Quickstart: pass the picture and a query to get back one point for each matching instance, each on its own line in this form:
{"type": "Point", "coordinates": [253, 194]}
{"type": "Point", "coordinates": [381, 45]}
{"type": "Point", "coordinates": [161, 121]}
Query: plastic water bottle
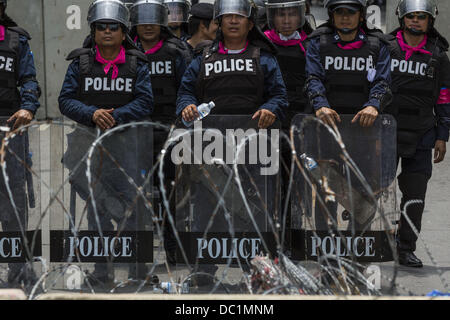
{"type": "Point", "coordinates": [203, 110]}
{"type": "Point", "coordinates": [169, 287]}
{"type": "Point", "coordinates": [310, 163]}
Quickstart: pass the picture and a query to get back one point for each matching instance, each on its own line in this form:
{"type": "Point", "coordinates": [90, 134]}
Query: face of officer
{"type": "Point", "coordinates": [109, 34]}
{"type": "Point", "coordinates": [287, 20]}
{"type": "Point", "coordinates": [417, 20]}
{"type": "Point", "coordinates": [346, 19]}
{"type": "Point", "coordinates": [210, 32]}
{"type": "Point", "coordinates": [149, 32]}
{"type": "Point", "coordinates": [236, 27]}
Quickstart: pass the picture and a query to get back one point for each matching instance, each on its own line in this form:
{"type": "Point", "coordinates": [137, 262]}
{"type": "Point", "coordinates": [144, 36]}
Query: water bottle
{"type": "Point", "coordinates": [309, 163]}
{"type": "Point", "coordinates": [203, 110]}
{"type": "Point", "coordinates": [168, 287]}
{"type": "Point", "coordinates": [312, 166]}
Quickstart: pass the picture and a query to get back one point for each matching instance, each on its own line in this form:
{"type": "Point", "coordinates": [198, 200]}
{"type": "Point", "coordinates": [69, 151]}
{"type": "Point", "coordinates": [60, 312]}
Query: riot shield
{"type": "Point", "coordinates": [101, 228]}
{"type": "Point", "coordinates": [20, 234]}
{"type": "Point", "coordinates": [227, 199]}
{"type": "Point", "coordinates": [343, 200]}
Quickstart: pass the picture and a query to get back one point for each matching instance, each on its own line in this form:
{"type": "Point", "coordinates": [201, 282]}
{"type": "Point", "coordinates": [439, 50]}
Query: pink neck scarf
{"type": "Point", "coordinates": [410, 50]}
{"type": "Point", "coordinates": [120, 59]}
{"type": "Point", "coordinates": [351, 45]}
{"type": "Point", "coordinates": [156, 47]}
{"type": "Point", "coordinates": [2, 33]}
{"type": "Point", "coordinates": [275, 38]}
{"type": "Point", "coordinates": [223, 50]}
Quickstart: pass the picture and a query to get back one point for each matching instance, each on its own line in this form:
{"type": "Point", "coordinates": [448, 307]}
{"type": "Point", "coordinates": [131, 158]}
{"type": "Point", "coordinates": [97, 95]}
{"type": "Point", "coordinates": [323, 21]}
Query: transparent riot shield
{"type": "Point", "coordinates": [227, 200]}
{"type": "Point", "coordinates": [20, 233]}
{"type": "Point", "coordinates": [344, 201]}
{"type": "Point", "coordinates": [100, 226]}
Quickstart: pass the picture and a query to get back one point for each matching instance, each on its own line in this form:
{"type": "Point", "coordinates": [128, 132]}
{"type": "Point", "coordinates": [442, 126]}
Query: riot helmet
{"type": "Point", "coordinates": [353, 5]}
{"type": "Point", "coordinates": [149, 12]}
{"type": "Point", "coordinates": [4, 3]}
{"type": "Point", "coordinates": [286, 14]}
{"type": "Point", "coordinates": [178, 10]}
{"type": "Point", "coordinates": [239, 7]}
{"type": "Point", "coordinates": [261, 16]}
{"type": "Point", "coordinates": [109, 10]}
{"type": "Point", "coordinates": [409, 6]}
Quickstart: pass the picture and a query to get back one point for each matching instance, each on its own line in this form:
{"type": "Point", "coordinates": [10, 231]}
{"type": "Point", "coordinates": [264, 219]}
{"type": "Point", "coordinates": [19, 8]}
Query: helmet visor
{"type": "Point", "coordinates": [239, 7]}
{"type": "Point", "coordinates": [108, 10]}
{"type": "Point", "coordinates": [148, 13]}
{"type": "Point", "coordinates": [409, 6]}
{"type": "Point", "coordinates": [178, 12]}
{"type": "Point", "coordinates": [286, 17]}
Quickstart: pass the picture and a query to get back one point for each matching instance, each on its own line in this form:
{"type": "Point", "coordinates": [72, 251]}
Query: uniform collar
{"type": "Point", "coordinates": [153, 50]}
{"type": "Point", "coordinates": [360, 36]}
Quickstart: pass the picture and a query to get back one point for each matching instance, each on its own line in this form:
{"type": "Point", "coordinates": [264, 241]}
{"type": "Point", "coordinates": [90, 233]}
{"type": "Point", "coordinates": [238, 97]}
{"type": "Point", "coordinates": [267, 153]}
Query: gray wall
{"type": "Point", "coordinates": [47, 21]}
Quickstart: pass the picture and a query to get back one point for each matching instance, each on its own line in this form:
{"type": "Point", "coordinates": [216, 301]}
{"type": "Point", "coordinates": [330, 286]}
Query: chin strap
{"type": "Point", "coordinates": [415, 32]}
{"type": "Point", "coordinates": [347, 30]}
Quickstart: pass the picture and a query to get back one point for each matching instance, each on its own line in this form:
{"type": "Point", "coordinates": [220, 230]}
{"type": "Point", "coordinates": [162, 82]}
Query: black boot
{"type": "Point", "coordinates": [409, 259]}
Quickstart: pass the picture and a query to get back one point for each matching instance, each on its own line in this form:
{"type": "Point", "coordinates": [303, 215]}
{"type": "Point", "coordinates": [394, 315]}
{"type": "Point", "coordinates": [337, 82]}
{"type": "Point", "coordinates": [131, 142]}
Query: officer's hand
{"type": "Point", "coordinates": [21, 117]}
{"type": "Point", "coordinates": [328, 116]}
{"type": "Point", "coordinates": [367, 116]}
{"type": "Point", "coordinates": [266, 118]}
{"type": "Point", "coordinates": [439, 151]}
{"type": "Point", "coordinates": [190, 113]}
{"type": "Point", "coordinates": [103, 119]}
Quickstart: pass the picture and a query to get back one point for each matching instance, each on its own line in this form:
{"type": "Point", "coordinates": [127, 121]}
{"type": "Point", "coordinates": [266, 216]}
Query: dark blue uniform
{"type": "Point", "coordinates": [315, 68]}
{"type": "Point", "coordinates": [275, 94]}
{"type": "Point", "coordinates": [139, 108]}
{"type": "Point", "coordinates": [86, 89]}
{"type": "Point", "coordinates": [18, 175]}
{"type": "Point", "coordinates": [421, 106]}
{"type": "Point", "coordinates": [29, 92]}
{"type": "Point", "coordinates": [346, 77]}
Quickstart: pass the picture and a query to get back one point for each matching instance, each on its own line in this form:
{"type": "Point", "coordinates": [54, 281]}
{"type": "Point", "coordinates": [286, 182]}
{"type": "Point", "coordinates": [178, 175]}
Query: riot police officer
{"type": "Point", "coordinates": [334, 84]}
{"type": "Point", "coordinates": [332, 89]}
{"type": "Point", "coordinates": [421, 106]}
{"type": "Point", "coordinates": [288, 30]}
{"type": "Point", "coordinates": [178, 17]}
{"type": "Point", "coordinates": [261, 15]}
{"type": "Point", "coordinates": [167, 56]}
{"type": "Point", "coordinates": [253, 87]}
{"type": "Point", "coordinates": [258, 89]}
{"type": "Point", "coordinates": [17, 70]}
{"type": "Point", "coordinates": [107, 84]}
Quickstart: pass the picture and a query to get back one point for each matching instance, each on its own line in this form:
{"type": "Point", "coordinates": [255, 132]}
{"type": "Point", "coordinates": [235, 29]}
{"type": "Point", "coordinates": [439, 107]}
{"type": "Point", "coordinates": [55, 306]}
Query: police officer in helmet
{"type": "Point", "coordinates": [168, 57]}
{"type": "Point", "coordinates": [178, 17]}
{"type": "Point", "coordinates": [332, 90]}
{"type": "Point", "coordinates": [361, 90]}
{"type": "Point", "coordinates": [110, 58]}
{"type": "Point", "coordinates": [19, 107]}
{"type": "Point", "coordinates": [421, 106]}
{"type": "Point", "coordinates": [261, 94]}
{"type": "Point", "coordinates": [288, 30]}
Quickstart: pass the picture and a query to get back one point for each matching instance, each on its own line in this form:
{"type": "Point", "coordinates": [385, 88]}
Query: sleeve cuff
{"type": "Point", "coordinates": [373, 103]}
{"type": "Point", "coordinates": [442, 133]}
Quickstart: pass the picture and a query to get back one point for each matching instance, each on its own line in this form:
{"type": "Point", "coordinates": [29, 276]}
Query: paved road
{"type": "Point", "coordinates": [436, 238]}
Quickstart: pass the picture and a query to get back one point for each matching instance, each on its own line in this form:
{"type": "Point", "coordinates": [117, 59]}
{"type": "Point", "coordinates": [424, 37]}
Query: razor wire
{"type": "Point", "coordinates": [268, 273]}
